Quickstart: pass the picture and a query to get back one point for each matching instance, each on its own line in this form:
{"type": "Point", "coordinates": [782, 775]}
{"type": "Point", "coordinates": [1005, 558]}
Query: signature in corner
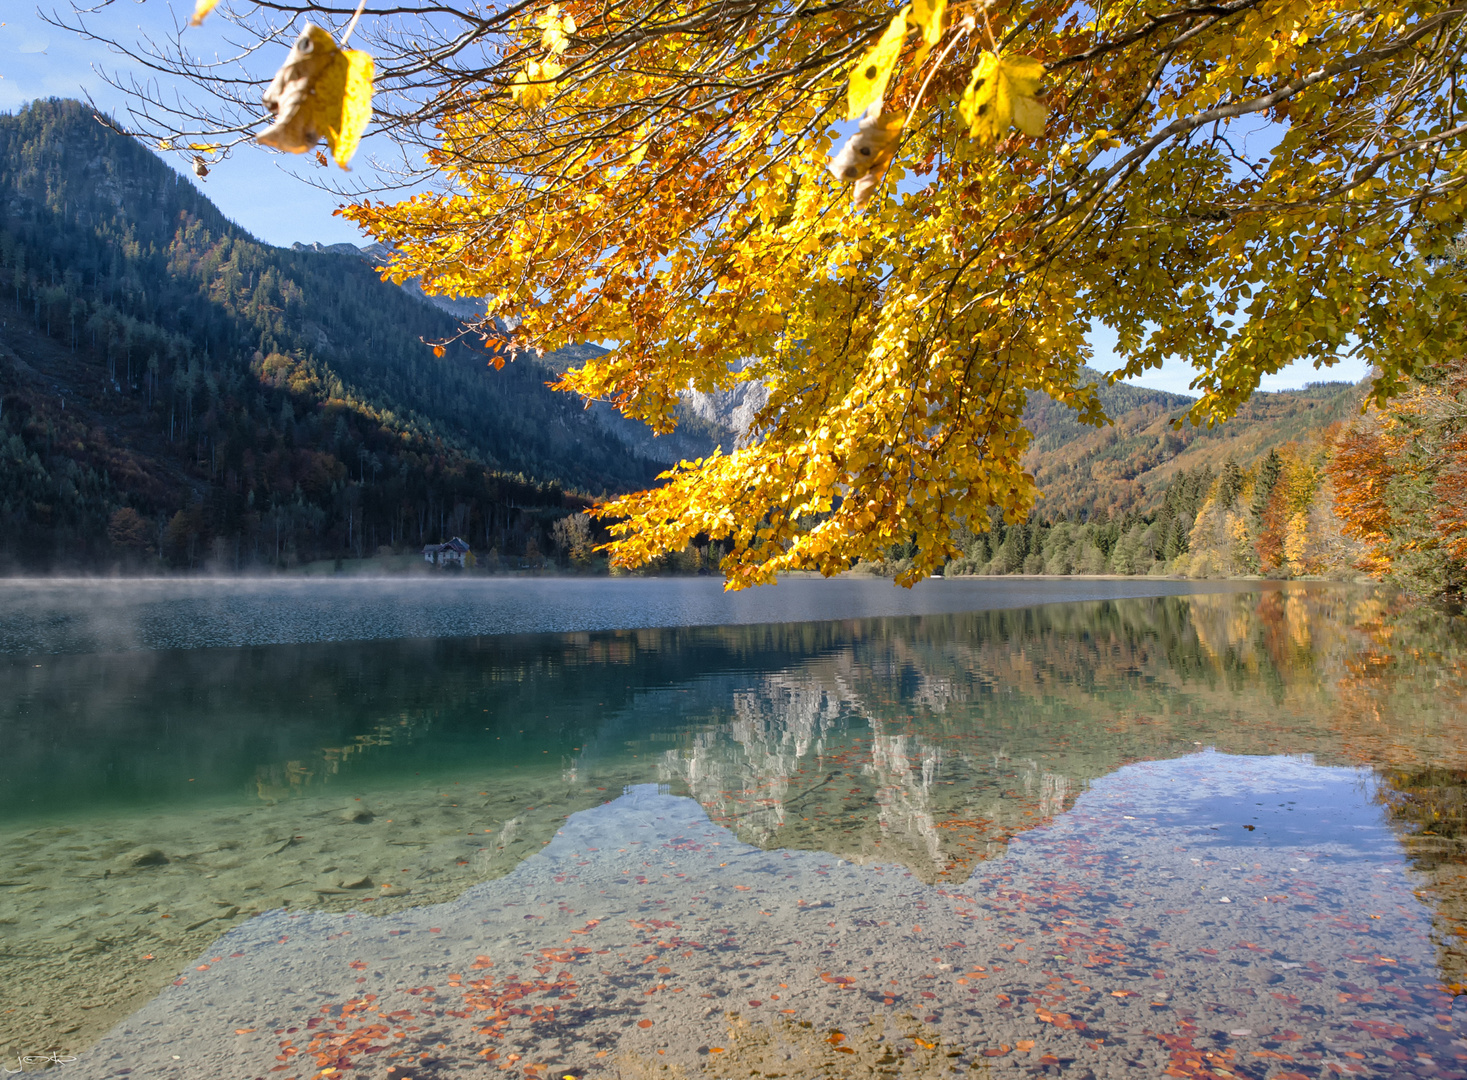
{"type": "Point", "coordinates": [37, 1059]}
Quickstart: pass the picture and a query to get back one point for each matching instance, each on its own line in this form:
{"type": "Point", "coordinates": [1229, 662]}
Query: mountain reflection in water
{"type": "Point", "coordinates": [285, 776]}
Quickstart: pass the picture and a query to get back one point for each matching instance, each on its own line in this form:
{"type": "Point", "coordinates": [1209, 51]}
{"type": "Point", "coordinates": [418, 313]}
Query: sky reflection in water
{"type": "Point", "coordinates": [1181, 833]}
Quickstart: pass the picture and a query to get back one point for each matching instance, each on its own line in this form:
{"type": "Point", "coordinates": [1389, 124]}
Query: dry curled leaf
{"type": "Point", "coordinates": [865, 155]}
{"type": "Point", "coordinates": [320, 92]}
{"type": "Point", "coordinates": [873, 142]}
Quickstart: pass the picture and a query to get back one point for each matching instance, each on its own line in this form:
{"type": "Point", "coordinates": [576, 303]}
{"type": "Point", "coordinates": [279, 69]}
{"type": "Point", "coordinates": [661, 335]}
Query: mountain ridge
{"type": "Point", "coordinates": [156, 358]}
{"type": "Point", "coordinates": [1127, 466]}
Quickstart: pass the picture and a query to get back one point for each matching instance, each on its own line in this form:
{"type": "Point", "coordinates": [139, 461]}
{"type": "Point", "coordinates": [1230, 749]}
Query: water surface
{"type": "Point", "coordinates": [1216, 834]}
{"type": "Point", "coordinates": [99, 615]}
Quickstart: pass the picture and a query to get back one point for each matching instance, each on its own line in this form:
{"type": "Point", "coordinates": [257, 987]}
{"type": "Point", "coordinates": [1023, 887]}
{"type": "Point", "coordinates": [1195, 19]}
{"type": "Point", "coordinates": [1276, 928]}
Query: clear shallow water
{"type": "Point", "coordinates": [1212, 834]}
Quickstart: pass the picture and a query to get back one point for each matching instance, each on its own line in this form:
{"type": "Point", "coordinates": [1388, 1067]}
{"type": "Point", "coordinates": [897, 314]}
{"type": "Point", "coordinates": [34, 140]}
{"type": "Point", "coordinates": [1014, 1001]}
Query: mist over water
{"type": "Point", "coordinates": [89, 615]}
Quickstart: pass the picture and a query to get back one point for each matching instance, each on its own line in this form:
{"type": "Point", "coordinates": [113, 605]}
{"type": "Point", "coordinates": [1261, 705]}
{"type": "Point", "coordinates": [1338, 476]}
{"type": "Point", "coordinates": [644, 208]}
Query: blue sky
{"type": "Point", "coordinates": [258, 188]}
{"type": "Point", "coordinates": [254, 187]}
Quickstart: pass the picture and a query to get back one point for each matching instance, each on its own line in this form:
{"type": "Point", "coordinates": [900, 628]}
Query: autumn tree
{"type": "Point", "coordinates": [1400, 473]}
{"type": "Point", "coordinates": [572, 535]}
{"type": "Point", "coordinates": [128, 532]}
{"type": "Point", "coordinates": [1244, 184]}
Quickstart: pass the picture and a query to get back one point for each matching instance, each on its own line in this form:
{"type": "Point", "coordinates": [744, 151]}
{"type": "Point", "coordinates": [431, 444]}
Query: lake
{"type": "Point", "coordinates": [538, 828]}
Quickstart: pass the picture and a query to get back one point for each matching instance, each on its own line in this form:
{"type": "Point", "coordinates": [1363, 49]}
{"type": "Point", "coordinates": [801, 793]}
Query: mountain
{"type": "Point", "coordinates": [247, 404]}
{"type": "Point", "coordinates": [1142, 496]}
{"type": "Point", "coordinates": [1124, 468]}
{"type": "Point", "coordinates": [1128, 466]}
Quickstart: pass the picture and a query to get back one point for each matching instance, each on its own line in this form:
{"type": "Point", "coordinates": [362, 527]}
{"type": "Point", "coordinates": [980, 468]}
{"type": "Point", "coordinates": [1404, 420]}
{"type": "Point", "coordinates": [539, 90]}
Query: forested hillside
{"type": "Point", "coordinates": [1383, 494]}
{"type": "Point", "coordinates": [243, 404]}
{"type": "Point", "coordinates": [1129, 465]}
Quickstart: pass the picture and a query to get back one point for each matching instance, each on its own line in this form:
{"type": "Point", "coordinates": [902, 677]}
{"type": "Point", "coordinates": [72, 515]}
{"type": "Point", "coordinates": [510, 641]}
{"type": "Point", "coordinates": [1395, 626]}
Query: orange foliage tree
{"type": "Point", "coordinates": [1401, 477]}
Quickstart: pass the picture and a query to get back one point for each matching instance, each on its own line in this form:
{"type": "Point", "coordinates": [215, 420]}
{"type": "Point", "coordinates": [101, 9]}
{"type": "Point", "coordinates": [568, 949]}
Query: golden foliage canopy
{"type": "Point", "coordinates": [1244, 184]}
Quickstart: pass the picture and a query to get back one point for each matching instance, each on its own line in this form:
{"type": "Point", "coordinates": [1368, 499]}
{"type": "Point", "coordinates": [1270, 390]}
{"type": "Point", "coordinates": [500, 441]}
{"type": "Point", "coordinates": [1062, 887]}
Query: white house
{"type": "Point", "coordinates": [453, 552]}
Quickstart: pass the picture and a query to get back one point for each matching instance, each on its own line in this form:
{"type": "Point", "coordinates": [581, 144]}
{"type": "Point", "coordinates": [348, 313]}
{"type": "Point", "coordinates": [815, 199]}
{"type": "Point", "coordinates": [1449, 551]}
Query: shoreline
{"type": "Point", "coordinates": [357, 570]}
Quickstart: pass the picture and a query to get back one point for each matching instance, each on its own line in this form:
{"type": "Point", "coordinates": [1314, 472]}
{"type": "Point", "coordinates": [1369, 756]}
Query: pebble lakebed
{"type": "Point", "coordinates": [643, 938]}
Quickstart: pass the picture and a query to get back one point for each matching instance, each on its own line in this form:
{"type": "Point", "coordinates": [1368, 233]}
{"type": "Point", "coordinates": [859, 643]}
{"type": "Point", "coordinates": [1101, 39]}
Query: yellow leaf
{"type": "Point", "coordinates": [871, 74]}
{"type": "Point", "coordinates": [1024, 74]}
{"type": "Point", "coordinates": [1030, 115]}
{"type": "Point", "coordinates": [556, 30]}
{"type": "Point", "coordinates": [639, 152]}
{"type": "Point", "coordinates": [320, 92]}
{"type": "Point", "coordinates": [356, 107]}
{"type": "Point", "coordinates": [533, 86]}
{"type": "Point", "coordinates": [201, 8]}
{"type": "Point", "coordinates": [204, 147]}
{"type": "Point", "coordinates": [994, 93]}
{"type": "Point", "coordinates": [927, 16]}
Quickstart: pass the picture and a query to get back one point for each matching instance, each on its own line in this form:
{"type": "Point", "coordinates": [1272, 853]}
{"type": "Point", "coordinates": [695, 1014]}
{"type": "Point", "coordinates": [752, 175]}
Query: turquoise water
{"type": "Point", "coordinates": [1058, 791]}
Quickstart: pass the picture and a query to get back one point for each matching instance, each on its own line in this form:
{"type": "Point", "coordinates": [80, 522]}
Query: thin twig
{"type": "Point", "coordinates": [353, 24]}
